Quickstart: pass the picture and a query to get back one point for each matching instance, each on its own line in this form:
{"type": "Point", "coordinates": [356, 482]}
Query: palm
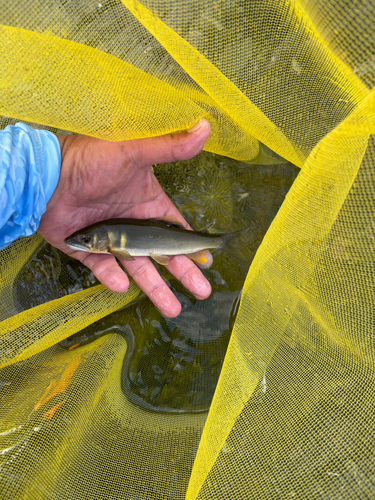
{"type": "Point", "coordinates": [101, 180]}
{"type": "Point", "coordinates": [88, 193]}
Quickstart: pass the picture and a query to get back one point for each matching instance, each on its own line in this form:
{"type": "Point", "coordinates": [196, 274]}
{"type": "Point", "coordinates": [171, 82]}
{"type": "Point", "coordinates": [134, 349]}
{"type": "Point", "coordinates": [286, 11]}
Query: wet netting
{"type": "Point", "coordinates": [266, 389]}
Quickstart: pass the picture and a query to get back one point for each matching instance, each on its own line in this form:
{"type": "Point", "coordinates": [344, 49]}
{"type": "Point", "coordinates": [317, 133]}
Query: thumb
{"type": "Point", "coordinates": [171, 147]}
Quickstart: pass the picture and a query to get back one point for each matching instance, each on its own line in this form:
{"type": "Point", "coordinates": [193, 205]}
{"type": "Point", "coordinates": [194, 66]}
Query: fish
{"type": "Point", "coordinates": [156, 238]}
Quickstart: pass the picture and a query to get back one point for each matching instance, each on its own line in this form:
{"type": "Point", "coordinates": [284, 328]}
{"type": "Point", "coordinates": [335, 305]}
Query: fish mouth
{"type": "Point", "coordinates": [75, 246]}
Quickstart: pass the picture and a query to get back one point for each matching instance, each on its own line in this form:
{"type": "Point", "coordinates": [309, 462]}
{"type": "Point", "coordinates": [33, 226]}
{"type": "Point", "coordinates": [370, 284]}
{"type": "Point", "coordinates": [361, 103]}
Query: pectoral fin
{"type": "Point", "coordinates": [122, 254]}
{"type": "Point", "coordinates": [160, 259]}
{"type": "Point", "coordinates": [198, 256]}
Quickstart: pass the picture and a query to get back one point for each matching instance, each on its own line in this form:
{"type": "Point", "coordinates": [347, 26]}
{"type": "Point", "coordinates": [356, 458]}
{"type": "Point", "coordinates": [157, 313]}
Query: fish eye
{"type": "Point", "coordinates": [86, 239]}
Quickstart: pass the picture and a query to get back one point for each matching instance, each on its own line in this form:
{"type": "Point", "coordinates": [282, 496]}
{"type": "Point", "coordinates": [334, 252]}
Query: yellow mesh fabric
{"type": "Point", "coordinates": [293, 411]}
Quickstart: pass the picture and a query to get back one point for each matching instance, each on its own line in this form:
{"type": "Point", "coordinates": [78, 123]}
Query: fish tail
{"type": "Point", "coordinates": [232, 243]}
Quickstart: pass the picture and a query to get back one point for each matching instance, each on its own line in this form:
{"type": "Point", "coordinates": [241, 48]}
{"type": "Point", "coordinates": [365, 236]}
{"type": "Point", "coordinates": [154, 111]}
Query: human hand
{"type": "Point", "coordinates": [103, 180]}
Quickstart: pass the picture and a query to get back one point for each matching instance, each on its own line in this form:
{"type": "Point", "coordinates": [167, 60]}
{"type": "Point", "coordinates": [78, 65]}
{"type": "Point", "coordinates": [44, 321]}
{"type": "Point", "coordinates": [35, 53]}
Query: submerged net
{"type": "Point", "coordinates": [101, 397]}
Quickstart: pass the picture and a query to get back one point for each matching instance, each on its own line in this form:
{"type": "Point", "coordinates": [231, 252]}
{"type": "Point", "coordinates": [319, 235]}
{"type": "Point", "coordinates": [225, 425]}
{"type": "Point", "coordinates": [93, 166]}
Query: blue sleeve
{"type": "Point", "coordinates": [30, 162]}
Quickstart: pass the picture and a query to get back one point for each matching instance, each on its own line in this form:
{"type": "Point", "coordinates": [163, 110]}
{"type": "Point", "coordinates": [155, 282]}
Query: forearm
{"type": "Point", "coordinates": [30, 163]}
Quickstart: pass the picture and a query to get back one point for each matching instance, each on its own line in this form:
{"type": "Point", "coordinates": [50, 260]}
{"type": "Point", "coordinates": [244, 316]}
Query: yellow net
{"type": "Point", "coordinates": [293, 410]}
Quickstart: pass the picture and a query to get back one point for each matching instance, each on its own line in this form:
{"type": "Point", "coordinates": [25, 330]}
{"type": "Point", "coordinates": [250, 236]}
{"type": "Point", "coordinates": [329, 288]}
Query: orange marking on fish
{"type": "Point", "coordinates": [50, 413]}
{"type": "Point", "coordinates": [73, 347]}
{"type": "Point", "coordinates": [54, 387]}
{"type": "Point", "coordinates": [198, 256]}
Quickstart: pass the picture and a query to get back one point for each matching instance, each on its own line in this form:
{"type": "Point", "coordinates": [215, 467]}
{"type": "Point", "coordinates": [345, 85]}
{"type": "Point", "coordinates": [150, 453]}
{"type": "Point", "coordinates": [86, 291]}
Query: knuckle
{"type": "Point", "coordinates": [188, 274]}
{"type": "Point", "coordinates": [141, 272]}
{"type": "Point", "coordinates": [179, 148]}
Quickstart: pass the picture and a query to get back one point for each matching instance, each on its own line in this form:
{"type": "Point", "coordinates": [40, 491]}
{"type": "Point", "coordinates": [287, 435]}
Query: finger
{"type": "Point", "coordinates": [106, 270]}
{"type": "Point", "coordinates": [172, 213]}
{"type": "Point", "coordinates": [171, 147]}
{"type": "Point", "coordinates": [190, 276]}
{"type": "Point", "coordinates": [149, 280]}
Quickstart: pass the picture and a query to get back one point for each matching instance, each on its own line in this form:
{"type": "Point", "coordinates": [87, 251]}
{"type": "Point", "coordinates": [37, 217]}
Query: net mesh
{"type": "Point", "coordinates": [292, 414]}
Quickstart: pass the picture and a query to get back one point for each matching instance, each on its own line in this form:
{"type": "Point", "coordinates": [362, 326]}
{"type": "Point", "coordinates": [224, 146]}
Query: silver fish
{"type": "Point", "coordinates": [155, 238]}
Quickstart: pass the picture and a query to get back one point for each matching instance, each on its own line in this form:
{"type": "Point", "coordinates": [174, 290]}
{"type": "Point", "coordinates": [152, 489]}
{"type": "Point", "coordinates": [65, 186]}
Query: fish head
{"type": "Point", "coordinates": [89, 240]}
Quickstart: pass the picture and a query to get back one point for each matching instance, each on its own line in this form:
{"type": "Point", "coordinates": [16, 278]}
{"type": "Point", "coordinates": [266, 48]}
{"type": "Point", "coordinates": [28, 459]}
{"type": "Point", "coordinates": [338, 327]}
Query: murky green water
{"type": "Point", "coordinates": [174, 364]}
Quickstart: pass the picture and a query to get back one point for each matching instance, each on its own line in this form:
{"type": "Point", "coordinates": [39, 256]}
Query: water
{"type": "Point", "coordinates": [172, 365]}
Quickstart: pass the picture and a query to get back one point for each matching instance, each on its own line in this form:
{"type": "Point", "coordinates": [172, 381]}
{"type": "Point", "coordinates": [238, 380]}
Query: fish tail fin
{"type": "Point", "coordinates": [233, 242]}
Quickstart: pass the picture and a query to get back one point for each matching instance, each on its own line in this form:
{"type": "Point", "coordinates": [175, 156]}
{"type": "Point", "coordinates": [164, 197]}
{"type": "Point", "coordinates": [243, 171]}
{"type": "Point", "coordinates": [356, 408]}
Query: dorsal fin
{"type": "Point", "coordinates": [168, 220]}
{"type": "Point", "coordinates": [207, 229]}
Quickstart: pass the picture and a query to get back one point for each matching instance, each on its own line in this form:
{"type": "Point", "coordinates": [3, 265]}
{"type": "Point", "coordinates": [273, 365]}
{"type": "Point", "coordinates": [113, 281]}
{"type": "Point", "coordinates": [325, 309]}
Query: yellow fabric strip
{"type": "Point", "coordinates": [314, 14]}
{"type": "Point", "coordinates": [276, 280]}
{"type": "Point", "coordinates": [35, 330]}
{"type": "Point", "coordinates": [98, 94]}
{"type": "Point", "coordinates": [249, 120]}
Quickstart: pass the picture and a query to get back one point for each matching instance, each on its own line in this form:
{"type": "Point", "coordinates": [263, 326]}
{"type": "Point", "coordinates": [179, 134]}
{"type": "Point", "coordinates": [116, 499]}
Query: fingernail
{"type": "Point", "coordinates": [196, 127]}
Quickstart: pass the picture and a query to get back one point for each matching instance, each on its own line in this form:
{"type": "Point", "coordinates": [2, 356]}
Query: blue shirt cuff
{"type": "Point", "coordinates": [30, 163]}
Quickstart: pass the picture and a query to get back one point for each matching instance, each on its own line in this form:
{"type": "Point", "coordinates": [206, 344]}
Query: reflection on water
{"type": "Point", "coordinates": [173, 365]}
{"type": "Point", "coordinates": [49, 275]}
{"type": "Point", "coordinates": [176, 362]}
